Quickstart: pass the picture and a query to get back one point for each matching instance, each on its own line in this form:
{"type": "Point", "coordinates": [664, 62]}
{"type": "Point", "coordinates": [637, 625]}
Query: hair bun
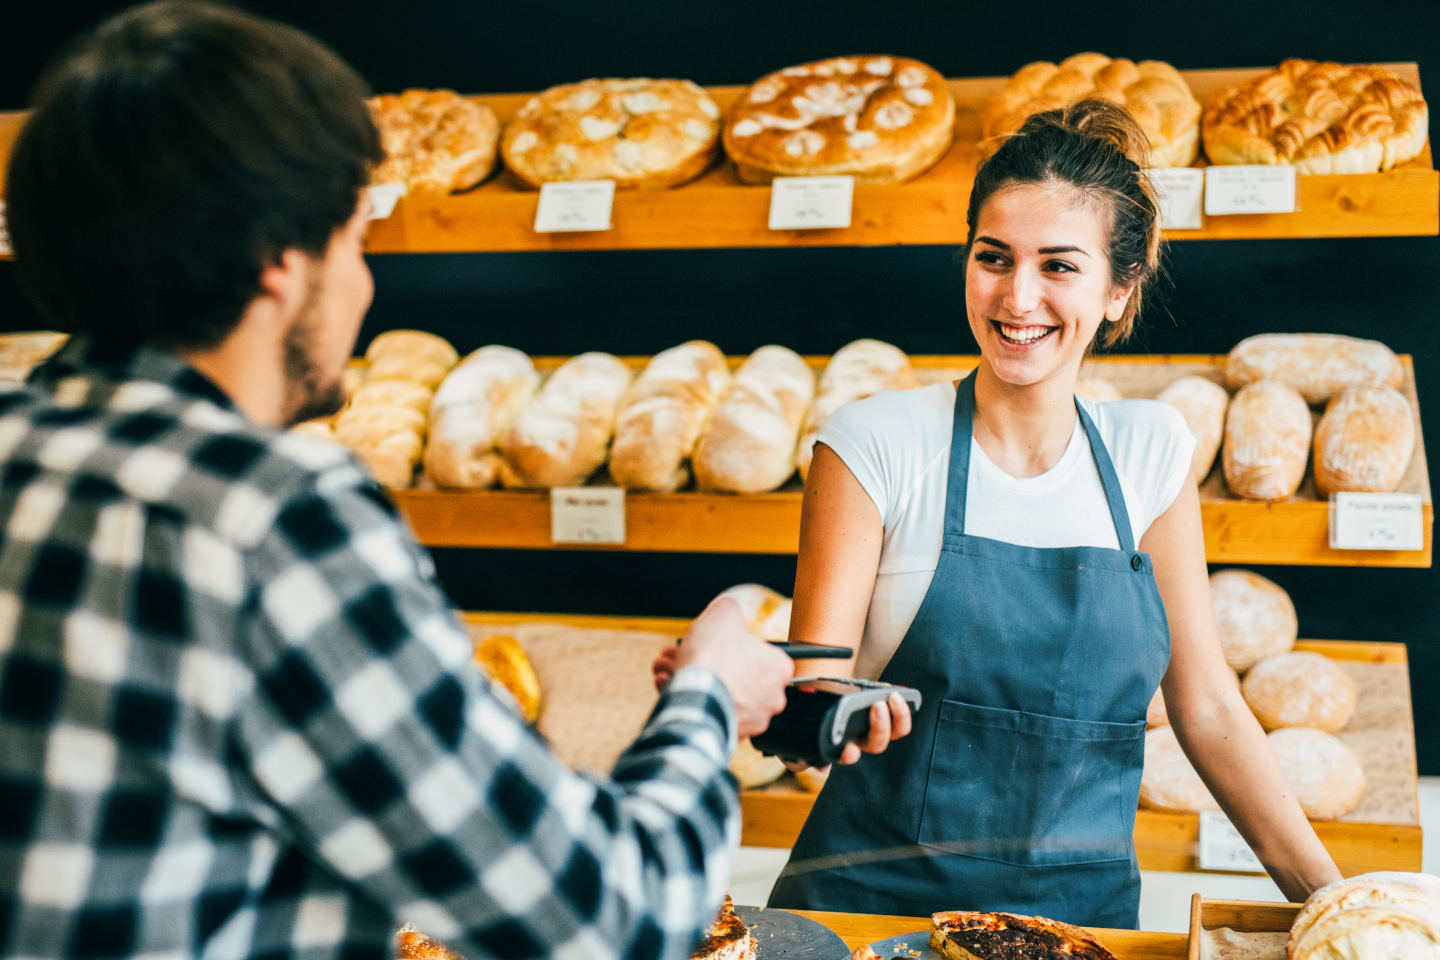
{"type": "Point", "coordinates": [1099, 120]}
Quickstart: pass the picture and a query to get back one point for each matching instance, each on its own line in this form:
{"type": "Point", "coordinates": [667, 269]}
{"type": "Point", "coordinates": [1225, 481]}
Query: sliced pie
{"type": "Point", "coordinates": [728, 939]}
{"type": "Point", "coordinates": [967, 935]}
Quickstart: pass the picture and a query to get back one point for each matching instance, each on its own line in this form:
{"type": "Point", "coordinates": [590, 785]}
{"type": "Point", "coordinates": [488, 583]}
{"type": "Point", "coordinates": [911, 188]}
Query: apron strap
{"type": "Point", "coordinates": [956, 488]}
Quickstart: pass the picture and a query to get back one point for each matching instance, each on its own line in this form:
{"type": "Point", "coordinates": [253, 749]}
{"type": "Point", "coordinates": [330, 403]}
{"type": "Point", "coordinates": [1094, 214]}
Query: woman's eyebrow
{"type": "Point", "coordinates": [993, 242]}
{"type": "Point", "coordinates": [1064, 250]}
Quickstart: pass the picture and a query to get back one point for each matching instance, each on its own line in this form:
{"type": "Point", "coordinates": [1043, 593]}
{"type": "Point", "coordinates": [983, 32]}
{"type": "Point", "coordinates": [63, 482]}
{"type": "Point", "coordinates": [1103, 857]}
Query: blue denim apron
{"type": "Point", "coordinates": [1017, 788]}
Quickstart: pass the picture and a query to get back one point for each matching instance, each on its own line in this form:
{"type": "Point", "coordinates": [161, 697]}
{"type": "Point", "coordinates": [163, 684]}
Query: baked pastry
{"type": "Point", "coordinates": [393, 393]}
{"type": "Point", "coordinates": [320, 429]}
{"type": "Point", "coordinates": [1319, 365]}
{"type": "Point", "coordinates": [389, 439]}
{"type": "Point", "coordinates": [563, 435]}
{"type": "Point", "coordinates": [1299, 689]}
{"type": "Point", "coordinates": [857, 370]}
{"type": "Point", "coordinates": [476, 403]}
{"type": "Point", "coordinates": [504, 660]}
{"type": "Point", "coordinates": [22, 352]}
{"type": "Point", "coordinates": [749, 446]}
{"type": "Point", "coordinates": [1202, 403]}
{"type": "Point", "coordinates": [878, 119]}
{"type": "Point", "coordinates": [728, 937]}
{"type": "Point", "coordinates": [663, 413]}
{"type": "Point", "coordinates": [1364, 441]}
{"type": "Point", "coordinates": [414, 945]}
{"type": "Point", "coordinates": [1324, 773]}
{"type": "Point", "coordinates": [1267, 441]}
{"type": "Point", "coordinates": [1152, 91]}
{"type": "Point", "coordinates": [435, 141]}
{"type": "Point", "coordinates": [412, 355]}
{"type": "Point", "coordinates": [751, 768]}
{"type": "Point", "coordinates": [1097, 389]}
{"type": "Point", "coordinates": [1254, 617]}
{"type": "Point", "coordinates": [639, 133]}
{"type": "Point", "coordinates": [1378, 931]}
{"type": "Point", "coordinates": [1414, 891]}
{"type": "Point", "coordinates": [970, 935]}
{"type": "Point", "coordinates": [1168, 781]}
{"type": "Point", "coordinates": [1321, 117]}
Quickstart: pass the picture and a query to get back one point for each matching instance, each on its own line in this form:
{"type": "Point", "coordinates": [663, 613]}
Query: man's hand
{"type": "Point", "coordinates": [753, 671]}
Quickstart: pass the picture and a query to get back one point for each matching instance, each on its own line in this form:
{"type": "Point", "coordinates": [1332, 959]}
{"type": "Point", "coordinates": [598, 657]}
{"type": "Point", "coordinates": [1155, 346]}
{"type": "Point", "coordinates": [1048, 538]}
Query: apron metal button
{"type": "Point", "coordinates": [1136, 563]}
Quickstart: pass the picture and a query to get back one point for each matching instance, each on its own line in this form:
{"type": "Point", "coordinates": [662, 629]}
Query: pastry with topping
{"type": "Point", "coordinates": [435, 141]}
{"type": "Point", "coordinates": [968, 935]}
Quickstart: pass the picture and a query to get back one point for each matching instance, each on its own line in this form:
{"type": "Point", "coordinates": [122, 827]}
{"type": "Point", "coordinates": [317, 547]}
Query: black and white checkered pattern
{"type": "Point", "coordinates": [237, 718]}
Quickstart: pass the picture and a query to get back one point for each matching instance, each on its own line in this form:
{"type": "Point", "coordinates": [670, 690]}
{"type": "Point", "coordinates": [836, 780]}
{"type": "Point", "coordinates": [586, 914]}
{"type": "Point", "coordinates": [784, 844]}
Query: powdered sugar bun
{"type": "Point", "coordinates": [1299, 689]}
{"type": "Point", "coordinates": [1254, 616]}
{"type": "Point", "coordinates": [563, 435]}
{"type": "Point", "coordinates": [749, 446]}
{"type": "Point", "coordinates": [1417, 891]}
{"type": "Point", "coordinates": [1168, 781]}
{"type": "Point", "coordinates": [1267, 441]}
{"type": "Point", "coordinates": [663, 414]}
{"type": "Point", "coordinates": [858, 370]}
{"type": "Point", "coordinates": [476, 403]}
{"type": "Point", "coordinates": [1324, 773]}
{"type": "Point", "coordinates": [1364, 441]}
{"type": "Point", "coordinates": [1202, 403]}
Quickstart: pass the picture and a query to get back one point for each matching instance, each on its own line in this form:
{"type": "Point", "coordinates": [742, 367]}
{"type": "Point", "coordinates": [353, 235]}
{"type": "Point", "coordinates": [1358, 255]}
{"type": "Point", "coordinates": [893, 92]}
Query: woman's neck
{"type": "Point", "coordinates": [1023, 430]}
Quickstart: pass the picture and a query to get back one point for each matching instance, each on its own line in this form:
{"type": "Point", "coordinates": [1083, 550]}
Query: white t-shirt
{"type": "Point", "coordinates": [897, 444]}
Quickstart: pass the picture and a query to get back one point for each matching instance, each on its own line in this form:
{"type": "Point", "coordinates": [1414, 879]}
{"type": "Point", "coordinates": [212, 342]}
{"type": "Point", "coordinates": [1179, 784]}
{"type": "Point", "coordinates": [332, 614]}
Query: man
{"type": "Point", "coordinates": [237, 718]}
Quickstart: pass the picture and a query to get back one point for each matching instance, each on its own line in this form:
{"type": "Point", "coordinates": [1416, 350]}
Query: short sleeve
{"type": "Point", "coordinates": [851, 432]}
{"type": "Point", "coordinates": [1171, 454]}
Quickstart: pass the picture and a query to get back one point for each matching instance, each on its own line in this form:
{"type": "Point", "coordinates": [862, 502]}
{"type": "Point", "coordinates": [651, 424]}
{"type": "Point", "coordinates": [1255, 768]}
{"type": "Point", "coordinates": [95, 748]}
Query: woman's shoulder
{"type": "Point", "coordinates": [895, 415]}
{"type": "Point", "coordinates": [1137, 421]}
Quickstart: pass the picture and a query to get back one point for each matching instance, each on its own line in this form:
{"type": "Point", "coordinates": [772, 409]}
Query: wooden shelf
{"type": "Point", "coordinates": [718, 211]}
{"type": "Point", "coordinates": [1294, 531]}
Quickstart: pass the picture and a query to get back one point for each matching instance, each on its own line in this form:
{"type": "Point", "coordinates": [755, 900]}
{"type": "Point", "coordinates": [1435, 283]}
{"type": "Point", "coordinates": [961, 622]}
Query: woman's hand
{"type": "Point", "coordinates": [664, 666]}
{"type": "Point", "coordinates": [889, 721]}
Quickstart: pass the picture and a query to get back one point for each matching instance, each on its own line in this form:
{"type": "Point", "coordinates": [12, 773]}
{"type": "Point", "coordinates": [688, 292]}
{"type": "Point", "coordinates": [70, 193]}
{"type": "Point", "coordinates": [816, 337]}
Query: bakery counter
{"type": "Point", "coordinates": [1292, 531]}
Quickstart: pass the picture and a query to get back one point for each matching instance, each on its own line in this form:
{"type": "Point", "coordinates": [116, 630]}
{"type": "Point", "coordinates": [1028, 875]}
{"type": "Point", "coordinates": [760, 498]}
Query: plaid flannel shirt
{"type": "Point", "coordinates": [238, 719]}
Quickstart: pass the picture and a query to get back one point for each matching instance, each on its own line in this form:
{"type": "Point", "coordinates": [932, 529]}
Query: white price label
{"type": "Point", "coordinates": [5, 249]}
{"type": "Point", "coordinates": [811, 203]}
{"type": "Point", "coordinates": [383, 197]}
{"type": "Point", "coordinates": [1377, 521]}
{"type": "Point", "coordinates": [1249, 189]}
{"type": "Point", "coordinates": [587, 515]}
{"type": "Point", "coordinates": [1181, 190]}
{"type": "Point", "coordinates": [1222, 847]}
{"type": "Point", "coordinates": [577, 205]}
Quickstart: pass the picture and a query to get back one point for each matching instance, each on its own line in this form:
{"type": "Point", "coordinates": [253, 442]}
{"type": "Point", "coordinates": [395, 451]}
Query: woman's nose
{"type": "Point", "coordinates": [1022, 292]}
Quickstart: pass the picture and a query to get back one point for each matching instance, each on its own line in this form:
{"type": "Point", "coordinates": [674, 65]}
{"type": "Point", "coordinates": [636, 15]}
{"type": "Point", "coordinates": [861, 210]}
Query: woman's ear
{"type": "Point", "coordinates": [1119, 297]}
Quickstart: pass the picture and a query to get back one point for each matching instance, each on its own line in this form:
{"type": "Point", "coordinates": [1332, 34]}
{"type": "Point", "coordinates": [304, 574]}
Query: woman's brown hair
{"type": "Point", "coordinates": [1097, 148]}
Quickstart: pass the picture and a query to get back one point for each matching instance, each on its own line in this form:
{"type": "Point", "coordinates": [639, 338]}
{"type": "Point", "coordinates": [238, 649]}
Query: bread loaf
{"type": "Point", "coordinates": [1168, 781]}
{"type": "Point", "coordinates": [389, 439]}
{"type": "Point", "coordinates": [1324, 773]}
{"type": "Point", "coordinates": [749, 446]}
{"type": "Point", "coordinates": [663, 413]}
{"type": "Point", "coordinates": [1299, 689]}
{"type": "Point", "coordinates": [1414, 891]}
{"type": "Point", "coordinates": [857, 370]}
{"type": "Point", "coordinates": [1202, 403]}
{"type": "Point", "coordinates": [753, 768]}
{"type": "Point", "coordinates": [1364, 441]}
{"type": "Point", "coordinates": [563, 435]}
{"type": "Point", "coordinates": [766, 613]}
{"type": "Point", "coordinates": [477, 402]}
{"type": "Point", "coordinates": [1360, 933]}
{"type": "Point", "coordinates": [393, 393]}
{"type": "Point", "coordinates": [1267, 441]}
{"type": "Point", "coordinates": [1254, 617]}
{"type": "Point", "coordinates": [412, 355]}
{"type": "Point", "coordinates": [1319, 365]}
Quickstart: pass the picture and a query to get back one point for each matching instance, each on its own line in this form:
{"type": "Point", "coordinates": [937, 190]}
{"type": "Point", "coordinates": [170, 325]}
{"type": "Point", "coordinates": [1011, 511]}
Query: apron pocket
{"type": "Point", "coordinates": [1029, 789]}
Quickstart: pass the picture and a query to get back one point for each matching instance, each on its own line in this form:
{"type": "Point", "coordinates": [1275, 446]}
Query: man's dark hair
{"type": "Point", "coordinates": [173, 153]}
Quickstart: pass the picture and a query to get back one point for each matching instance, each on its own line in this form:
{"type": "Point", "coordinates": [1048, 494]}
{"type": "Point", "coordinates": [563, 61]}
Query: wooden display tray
{"type": "Point", "coordinates": [717, 210]}
{"type": "Point", "coordinates": [1244, 916]}
{"type": "Point", "coordinates": [1293, 531]}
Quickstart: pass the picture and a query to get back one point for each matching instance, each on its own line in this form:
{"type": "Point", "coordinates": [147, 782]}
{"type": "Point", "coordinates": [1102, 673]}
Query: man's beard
{"type": "Point", "coordinates": [310, 394]}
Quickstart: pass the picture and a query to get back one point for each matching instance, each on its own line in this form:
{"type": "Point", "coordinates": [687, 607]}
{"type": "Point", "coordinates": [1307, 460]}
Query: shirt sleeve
{"type": "Point", "coordinates": [851, 433]}
{"type": "Point", "coordinates": [1167, 459]}
{"type": "Point", "coordinates": [394, 763]}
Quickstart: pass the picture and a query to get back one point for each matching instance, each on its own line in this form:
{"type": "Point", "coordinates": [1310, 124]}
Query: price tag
{"type": "Point", "coordinates": [574, 206]}
{"type": "Point", "coordinates": [587, 515]}
{"type": "Point", "coordinates": [383, 197]}
{"type": "Point", "coordinates": [1181, 189]}
{"type": "Point", "coordinates": [811, 203]}
{"type": "Point", "coordinates": [1377, 521]}
{"type": "Point", "coordinates": [1249, 189]}
{"type": "Point", "coordinates": [1222, 847]}
{"type": "Point", "coordinates": [5, 249]}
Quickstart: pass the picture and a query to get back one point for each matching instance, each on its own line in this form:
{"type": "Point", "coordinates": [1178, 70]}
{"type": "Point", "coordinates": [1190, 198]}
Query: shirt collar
{"type": "Point", "coordinates": [115, 363]}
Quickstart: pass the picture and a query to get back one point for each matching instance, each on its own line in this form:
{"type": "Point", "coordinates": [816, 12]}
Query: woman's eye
{"type": "Point", "coordinates": [1060, 266]}
{"type": "Point", "coordinates": [989, 256]}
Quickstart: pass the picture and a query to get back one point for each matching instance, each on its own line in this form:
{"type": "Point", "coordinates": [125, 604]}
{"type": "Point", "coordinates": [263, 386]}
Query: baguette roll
{"type": "Point", "coordinates": [1364, 441]}
{"type": "Point", "coordinates": [412, 355]}
{"type": "Point", "coordinates": [663, 414]}
{"type": "Point", "coordinates": [1319, 365]}
{"type": "Point", "coordinates": [858, 370]}
{"type": "Point", "coordinates": [476, 403]}
{"type": "Point", "coordinates": [749, 446]}
{"type": "Point", "coordinates": [562, 437]}
{"type": "Point", "coordinates": [1202, 403]}
{"type": "Point", "coordinates": [1267, 441]}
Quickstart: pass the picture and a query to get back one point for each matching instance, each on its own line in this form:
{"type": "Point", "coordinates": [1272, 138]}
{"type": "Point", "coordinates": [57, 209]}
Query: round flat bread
{"type": "Point", "coordinates": [1168, 781]}
{"type": "Point", "coordinates": [1324, 773]}
{"type": "Point", "coordinates": [879, 119]}
{"type": "Point", "coordinates": [1254, 616]}
{"type": "Point", "coordinates": [435, 141]}
{"type": "Point", "coordinates": [1299, 689]}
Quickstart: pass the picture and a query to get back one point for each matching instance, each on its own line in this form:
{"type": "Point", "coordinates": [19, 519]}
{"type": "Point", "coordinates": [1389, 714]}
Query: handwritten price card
{"type": "Point", "coordinates": [383, 197]}
{"type": "Point", "coordinates": [575, 206]}
{"type": "Point", "coordinates": [587, 515]}
{"type": "Point", "coordinates": [1377, 521]}
{"type": "Point", "coordinates": [1180, 191]}
{"type": "Point", "coordinates": [1249, 189]}
{"type": "Point", "coordinates": [811, 203]}
{"type": "Point", "coordinates": [4, 233]}
{"type": "Point", "coordinates": [1222, 847]}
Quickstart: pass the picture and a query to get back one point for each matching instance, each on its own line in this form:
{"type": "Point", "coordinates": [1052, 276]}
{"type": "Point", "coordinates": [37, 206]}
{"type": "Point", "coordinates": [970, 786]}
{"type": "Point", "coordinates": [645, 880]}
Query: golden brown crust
{"type": "Point", "coordinates": [1267, 441]}
{"type": "Point", "coordinates": [412, 945]}
{"type": "Point", "coordinates": [880, 119]}
{"type": "Point", "coordinates": [641, 133]}
{"type": "Point", "coordinates": [727, 938]}
{"type": "Point", "coordinates": [503, 658]}
{"type": "Point", "coordinates": [1322, 117]}
{"type": "Point", "coordinates": [1153, 91]}
{"type": "Point", "coordinates": [435, 141]}
{"type": "Point", "coordinates": [1364, 441]}
{"type": "Point", "coordinates": [971, 935]}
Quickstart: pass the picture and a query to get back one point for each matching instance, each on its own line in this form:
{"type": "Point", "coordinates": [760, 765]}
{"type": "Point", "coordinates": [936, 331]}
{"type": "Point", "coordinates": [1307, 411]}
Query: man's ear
{"type": "Point", "coordinates": [285, 282]}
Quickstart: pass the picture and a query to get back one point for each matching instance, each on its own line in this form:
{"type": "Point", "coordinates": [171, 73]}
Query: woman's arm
{"type": "Point", "coordinates": [1211, 720]}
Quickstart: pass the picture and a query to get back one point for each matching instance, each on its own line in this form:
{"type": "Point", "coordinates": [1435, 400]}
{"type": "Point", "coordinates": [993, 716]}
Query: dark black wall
{"type": "Point", "coordinates": [814, 299]}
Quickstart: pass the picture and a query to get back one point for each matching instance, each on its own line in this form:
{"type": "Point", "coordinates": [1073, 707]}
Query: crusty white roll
{"type": "Point", "coordinates": [1097, 389]}
{"type": "Point", "coordinates": [749, 446]}
{"type": "Point", "coordinates": [1416, 891]}
{"type": "Point", "coordinates": [1324, 773]}
{"type": "Point", "coordinates": [857, 370]}
{"type": "Point", "coordinates": [413, 355]}
{"type": "Point", "coordinates": [1254, 617]}
{"type": "Point", "coordinates": [1299, 689]}
{"type": "Point", "coordinates": [476, 403]}
{"type": "Point", "coordinates": [1381, 931]}
{"type": "Point", "coordinates": [563, 435]}
{"type": "Point", "coordinates": [1168, 781]}
{"type": "Point", "coordinates": [1319, 365]}
{"type": "Point", "coordinates": [1267, 441]}
{"type": "Point", "coordinates": [1202, 403]}
{"type": "Point", "coordinates": [663, 413]}
{"type": "Point", "coordinates": [759, 605]}
{"type": "Point", "coordinates": [1364, 441]}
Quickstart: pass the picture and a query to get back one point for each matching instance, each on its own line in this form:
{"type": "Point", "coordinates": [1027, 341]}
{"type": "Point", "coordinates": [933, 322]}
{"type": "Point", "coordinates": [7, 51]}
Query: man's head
{"type": "Point", "coordinates": [176, 154]}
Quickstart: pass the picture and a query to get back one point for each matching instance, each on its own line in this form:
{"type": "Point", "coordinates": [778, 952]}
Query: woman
{"type": "Point", "coordinates": [999, 574]}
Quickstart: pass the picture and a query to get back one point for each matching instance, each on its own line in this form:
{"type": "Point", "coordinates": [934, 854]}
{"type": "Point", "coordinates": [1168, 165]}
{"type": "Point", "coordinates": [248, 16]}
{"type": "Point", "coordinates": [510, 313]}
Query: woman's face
{"type": "Point", "coordinates": [1037, 282]}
